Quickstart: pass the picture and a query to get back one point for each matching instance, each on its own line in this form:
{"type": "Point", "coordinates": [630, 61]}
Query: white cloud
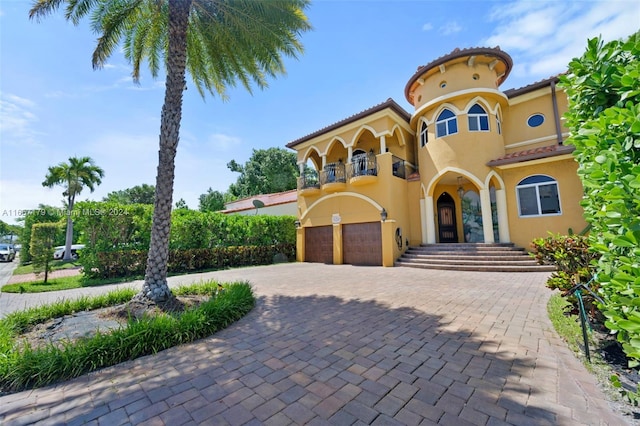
{"type": "Point", "coordinates": [223, 142]}
{"type": "Point", "coordinates": [544, 36]}
{"type": "Point", "coordinates": [18, 196]}
{"type": "Point", "coordinates": [450, 27]}
{"type": "Point", "coordinates": [427, 27]}
{"type": "Point", "coordinates": [17, 120]}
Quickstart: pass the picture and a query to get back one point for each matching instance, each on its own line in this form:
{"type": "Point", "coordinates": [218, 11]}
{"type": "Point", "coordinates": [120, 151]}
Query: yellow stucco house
{"type": "Point", "coordinates": [470, 164]}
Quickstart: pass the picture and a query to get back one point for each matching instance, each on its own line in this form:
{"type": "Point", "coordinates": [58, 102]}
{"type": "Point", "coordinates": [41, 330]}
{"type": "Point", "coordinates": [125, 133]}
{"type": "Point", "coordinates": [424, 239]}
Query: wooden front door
{"type": "Point", "coordinates": [448, 231]}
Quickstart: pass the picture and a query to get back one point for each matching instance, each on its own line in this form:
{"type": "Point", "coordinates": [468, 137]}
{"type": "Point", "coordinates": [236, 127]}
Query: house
{"type": "Point", "coordinates": [470, 163]}
{"type": "Point", "coordinates": [276, 204]}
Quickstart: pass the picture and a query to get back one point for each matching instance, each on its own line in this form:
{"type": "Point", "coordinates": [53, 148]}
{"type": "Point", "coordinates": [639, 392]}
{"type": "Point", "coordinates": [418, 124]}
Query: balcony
{"type": "Point", "coordinates": [399, 167]}
{"type": "Point", "coordinates": [308, 183]}
{"type": "Point", "coordinates": [363, 169]}
{"type": "Point", "coordinates": [333, 177]}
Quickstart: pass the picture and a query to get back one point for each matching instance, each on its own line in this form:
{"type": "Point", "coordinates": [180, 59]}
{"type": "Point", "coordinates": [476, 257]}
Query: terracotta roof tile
{"type": "Point", "coordinates": [389, 103]}
{"type": "Point", "coordinates": [268, 200]}
{"type": "Point", "coordinates": [531, 87]}
{"type": "Point", "coordinates": [532, 154]}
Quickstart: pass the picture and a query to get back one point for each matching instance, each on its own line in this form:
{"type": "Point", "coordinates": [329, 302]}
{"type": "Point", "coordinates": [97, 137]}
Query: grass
{"type": "Point", "coordinates": [23, 367]}
{"type": "Point", "coordinates": [63, 283]}
{"type": "Point", "coordinates": [56, 265]}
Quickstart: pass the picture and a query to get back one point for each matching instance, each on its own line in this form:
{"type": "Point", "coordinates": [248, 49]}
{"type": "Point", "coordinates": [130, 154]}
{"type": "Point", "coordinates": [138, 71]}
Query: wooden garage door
{"type": "Point", "coordinates": [362, 244]}
{"type": "Point", "coordinates": [318, 243]}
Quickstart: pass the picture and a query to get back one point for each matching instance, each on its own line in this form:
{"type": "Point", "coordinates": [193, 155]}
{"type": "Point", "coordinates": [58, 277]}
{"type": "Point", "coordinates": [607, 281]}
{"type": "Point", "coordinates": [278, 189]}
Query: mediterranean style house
{"type": "Point", "coordinates": [470, 164]}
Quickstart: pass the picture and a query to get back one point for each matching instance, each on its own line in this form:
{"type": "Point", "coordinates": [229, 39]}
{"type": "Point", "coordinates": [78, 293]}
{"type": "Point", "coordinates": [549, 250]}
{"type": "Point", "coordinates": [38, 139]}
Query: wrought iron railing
{"type": "Point", "coordinates": [333, 173]}
{"type": "Point", "coordinates": [308, 180]}
{"type": "Point", "coordinates": [362, 165]}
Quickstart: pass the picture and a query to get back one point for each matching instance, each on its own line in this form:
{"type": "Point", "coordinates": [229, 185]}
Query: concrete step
{"type": "Point", "coordinates": [494, 257]}
{"type": "Point", "coordinates": [479, 268]}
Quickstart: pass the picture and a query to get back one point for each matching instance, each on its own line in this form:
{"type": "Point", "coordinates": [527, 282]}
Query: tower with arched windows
{"type": "Point", "coordinates": [470, 164]}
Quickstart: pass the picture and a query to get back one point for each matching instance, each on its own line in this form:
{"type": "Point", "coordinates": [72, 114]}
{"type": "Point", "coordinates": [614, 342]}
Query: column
{"type": "Point", "coordinates": [349, 154]}
{"type": "Point", "coordinates": [487, 222]}
{"type": "Point", "coordinates": [423, 221]}
{"type": "Point", "coordinates": [337, 244]}
{"type": "Point", "coordinates": [431, 221]}
{"type": "Point", "coordinates": [383, 144]}
{"type": "Point", "coordinates": [300, 244]}
{"type": "Point", "coordinates": [503, 218]}
{"type": "Point", "coordinates": [388, 242]}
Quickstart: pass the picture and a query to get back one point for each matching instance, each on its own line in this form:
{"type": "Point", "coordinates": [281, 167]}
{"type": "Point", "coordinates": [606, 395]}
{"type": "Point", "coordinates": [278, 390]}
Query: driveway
{"type": "Point", "coordinates": [345, 345]}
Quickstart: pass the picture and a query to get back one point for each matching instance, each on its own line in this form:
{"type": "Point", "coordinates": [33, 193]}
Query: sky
{"type": "Point", "coordinates": [54, 106]}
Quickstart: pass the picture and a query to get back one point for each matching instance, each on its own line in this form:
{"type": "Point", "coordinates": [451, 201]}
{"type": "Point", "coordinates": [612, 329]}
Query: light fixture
{"type": "Point", "coordinates": [297, 223]}
{"type": "Point", "coordinates": [460, 188]}
{"type": "Point", "coordinates": [383, 214]}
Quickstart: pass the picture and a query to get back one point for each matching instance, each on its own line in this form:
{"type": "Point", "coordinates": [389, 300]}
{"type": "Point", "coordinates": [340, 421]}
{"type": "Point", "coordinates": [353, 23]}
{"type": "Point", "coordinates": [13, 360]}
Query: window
{"type": "Point", "coordinates": [424, 136]}
{"type": "Point", "coordinates": [446, 124]}
{"type": "Point", "coordinates": [498, 125]}
{"type": "Point", "coordinates": [538, 196]}
{"type": "Point", "coordinates": [535, 120]}
{"type": "Point", "coordinates": [478, 119]}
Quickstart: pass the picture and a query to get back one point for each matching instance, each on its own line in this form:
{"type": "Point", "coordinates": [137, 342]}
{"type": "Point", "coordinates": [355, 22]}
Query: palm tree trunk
{"type": "Point", "coordinates": [68, 241]}
{"type": "Point", "coordinates": [155, 286]}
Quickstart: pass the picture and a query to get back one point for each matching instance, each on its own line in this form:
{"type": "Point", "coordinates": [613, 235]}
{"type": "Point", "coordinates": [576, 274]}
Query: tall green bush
{"type": "Point", "coordinates": [603, 87]}
{"type": "Point", "coordinates": [43, 239]}
{"type": "Point", "coordinates": [43, 214]}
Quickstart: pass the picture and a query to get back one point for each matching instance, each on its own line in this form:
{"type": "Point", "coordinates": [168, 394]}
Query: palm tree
{"type": "Point", "coordinates": [219, 42]}
{"type": "Point", "coordinates": [73, 176]}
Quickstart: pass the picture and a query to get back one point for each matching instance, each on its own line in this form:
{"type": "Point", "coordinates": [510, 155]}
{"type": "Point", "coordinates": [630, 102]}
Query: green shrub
{"type": "Point", "coordinates": [603, 87]}
{"type": "Point", "coordinates": [23, 367]}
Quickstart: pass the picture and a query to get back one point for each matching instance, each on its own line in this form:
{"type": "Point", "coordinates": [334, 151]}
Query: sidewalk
{"type": "Point", "coordinates": [53, 274]}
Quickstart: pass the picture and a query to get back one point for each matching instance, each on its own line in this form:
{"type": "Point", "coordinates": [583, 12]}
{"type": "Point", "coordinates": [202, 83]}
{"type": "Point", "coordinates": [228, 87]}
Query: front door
{"type": "Point", "coordinates": [447, 219]}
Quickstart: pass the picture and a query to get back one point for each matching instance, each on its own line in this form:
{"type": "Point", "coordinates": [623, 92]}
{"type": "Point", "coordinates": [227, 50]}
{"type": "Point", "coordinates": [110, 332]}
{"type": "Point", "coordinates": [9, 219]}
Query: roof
{"type": "Point", "coordinates": [389, 103]}
{"type": "Point", "coordinates": [511, 93]}
{"type": "Point", "coordinates": [461, 53]}
{"type": "Point", "coordinates": [269, 200]}
{"type": "Point", "coordinates": [532, 154]}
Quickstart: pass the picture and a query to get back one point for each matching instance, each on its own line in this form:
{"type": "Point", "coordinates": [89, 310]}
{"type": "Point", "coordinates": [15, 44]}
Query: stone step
{"type": "Point", "coordinates": [494, 257]}
{"type": "Point", "coordinates": [479, 268]}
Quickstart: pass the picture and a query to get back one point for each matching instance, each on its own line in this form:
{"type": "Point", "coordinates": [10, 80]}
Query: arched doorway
{"type": "Point", "coordinates": [448, 231]}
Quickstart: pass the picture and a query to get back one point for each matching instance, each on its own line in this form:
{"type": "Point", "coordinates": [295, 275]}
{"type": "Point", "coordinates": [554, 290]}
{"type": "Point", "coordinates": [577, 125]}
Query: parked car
{"type": "Point", "coordinates": [7, 253]}
{"type": "Point", "coordinates": [75, 248]}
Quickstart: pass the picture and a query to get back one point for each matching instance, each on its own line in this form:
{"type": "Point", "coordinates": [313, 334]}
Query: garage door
{"type": "Point", "coordinates": [318, 243]}
{"type": "Point", "coordinates": [362, 244]}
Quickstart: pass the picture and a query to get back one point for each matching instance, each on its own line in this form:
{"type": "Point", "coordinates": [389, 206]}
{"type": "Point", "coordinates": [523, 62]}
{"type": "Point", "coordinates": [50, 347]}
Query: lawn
{"type": "Point", "coordinates": [63, 283]}
{"type": "Point", "coordinates": [55, 266]}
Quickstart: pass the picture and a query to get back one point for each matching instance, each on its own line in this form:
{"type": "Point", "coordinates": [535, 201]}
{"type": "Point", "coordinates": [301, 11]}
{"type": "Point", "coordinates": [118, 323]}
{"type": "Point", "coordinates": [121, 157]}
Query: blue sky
{"type": "Point", "coordinates": [53, 105]}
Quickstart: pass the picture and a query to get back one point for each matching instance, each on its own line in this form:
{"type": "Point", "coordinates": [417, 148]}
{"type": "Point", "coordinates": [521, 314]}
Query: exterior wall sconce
{"type": "Point", "coordinates": [460, 188]}
{"type": "Point", "coordinates": [297, 224]}
{"type": "Point", "coordinates": [383, 214]}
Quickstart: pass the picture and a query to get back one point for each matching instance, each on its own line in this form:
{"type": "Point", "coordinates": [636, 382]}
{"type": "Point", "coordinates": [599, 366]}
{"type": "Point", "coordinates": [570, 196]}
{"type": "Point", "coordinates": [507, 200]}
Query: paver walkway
{"type": "Point", "coordinates": [346, 345]}
{"type": "Point", "coordinates": [22, 278]}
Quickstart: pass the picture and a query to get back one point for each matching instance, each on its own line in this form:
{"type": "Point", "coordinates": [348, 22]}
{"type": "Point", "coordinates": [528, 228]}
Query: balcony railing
{"type": "Point", "coordinates": [399, 167]}
{"type": "Point", "coordinates": [308, 180]}
{"type": "Point", "coordinates": [333, 173]}
{"type": "Point", "coordinates": [362, 165]}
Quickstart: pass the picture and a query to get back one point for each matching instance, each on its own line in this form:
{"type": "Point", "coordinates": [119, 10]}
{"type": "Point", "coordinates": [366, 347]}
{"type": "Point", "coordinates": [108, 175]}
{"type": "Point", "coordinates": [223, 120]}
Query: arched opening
{"type": "Point", "coordinates": [447, 229]}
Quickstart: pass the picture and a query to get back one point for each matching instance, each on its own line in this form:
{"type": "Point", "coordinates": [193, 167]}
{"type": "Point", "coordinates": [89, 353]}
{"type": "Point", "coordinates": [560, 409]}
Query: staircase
{"type": "Point", "coordinates": [490, 257]}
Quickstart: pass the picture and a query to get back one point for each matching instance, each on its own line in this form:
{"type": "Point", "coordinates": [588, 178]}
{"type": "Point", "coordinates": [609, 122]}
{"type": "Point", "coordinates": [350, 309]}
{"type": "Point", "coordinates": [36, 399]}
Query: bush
{"type": "Point", "coordinates": [122, 263]}
{"type": "Point", "coordinates": [572, 256]}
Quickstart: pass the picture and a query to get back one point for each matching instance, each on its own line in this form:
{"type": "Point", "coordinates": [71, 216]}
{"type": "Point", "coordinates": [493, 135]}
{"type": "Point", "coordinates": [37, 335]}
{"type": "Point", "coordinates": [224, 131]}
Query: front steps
{"type": "Point", "coordinates": [490, 257]}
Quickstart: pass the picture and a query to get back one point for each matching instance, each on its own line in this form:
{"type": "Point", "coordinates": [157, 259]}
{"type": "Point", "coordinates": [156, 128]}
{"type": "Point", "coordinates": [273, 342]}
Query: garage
{"type": "Point", "coordinates": [318, 244]}
{"type": "Point", "coordinates": [362, 244]}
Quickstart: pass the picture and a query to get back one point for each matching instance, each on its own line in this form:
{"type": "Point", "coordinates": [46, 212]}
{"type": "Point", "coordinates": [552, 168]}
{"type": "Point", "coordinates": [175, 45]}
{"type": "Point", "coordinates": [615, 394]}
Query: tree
{"type": "Point", "coordinates": [181, 204]}
{"type": "Point", "coordinates": [211, 201]}
{"type": "Point", "coordinates": [43, 214]}
{"type": "Point", "coordinates": [266, 171]}
{"type": "Point", "coordinates": [73, 176]}
{"type": "Point", "coordinates": [43, 238]}
{"type": "Point", "coordinates": [603, 87]}
{"type": "Point", "coordinates": [139, 194]}
{"type": "Point", "coordinates": [218, 42]}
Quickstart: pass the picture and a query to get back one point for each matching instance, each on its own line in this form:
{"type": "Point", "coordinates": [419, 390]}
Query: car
{"type": "Point", "coordinates": [7, 253]}
{"type": "Point", "coordinates": [58, 254]}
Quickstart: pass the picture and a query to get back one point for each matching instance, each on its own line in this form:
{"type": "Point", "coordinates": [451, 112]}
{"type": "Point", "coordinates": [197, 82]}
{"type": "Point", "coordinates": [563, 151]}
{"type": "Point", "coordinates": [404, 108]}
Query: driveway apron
{"type": "Point", "coordinates": [345, 345]}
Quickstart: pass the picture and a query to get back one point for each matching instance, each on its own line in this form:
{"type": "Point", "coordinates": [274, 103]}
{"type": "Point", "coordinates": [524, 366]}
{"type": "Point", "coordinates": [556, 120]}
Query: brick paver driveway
{"type": "Point", "coordinates": [347, 345]}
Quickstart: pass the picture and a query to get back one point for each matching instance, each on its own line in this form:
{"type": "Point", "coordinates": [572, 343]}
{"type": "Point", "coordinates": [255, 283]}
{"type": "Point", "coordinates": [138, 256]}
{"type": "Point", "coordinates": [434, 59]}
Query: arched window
{"type": "Point", "coordinates": [478, 119]}
{"type": "Point", "coordinates": [424, 136]}
{"type": "Point", "coordinates": [498, 124]}
{"type": "Point", "coordinates": [446, 124]}
{"type": "Point", "coordinates": [538, 196]}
